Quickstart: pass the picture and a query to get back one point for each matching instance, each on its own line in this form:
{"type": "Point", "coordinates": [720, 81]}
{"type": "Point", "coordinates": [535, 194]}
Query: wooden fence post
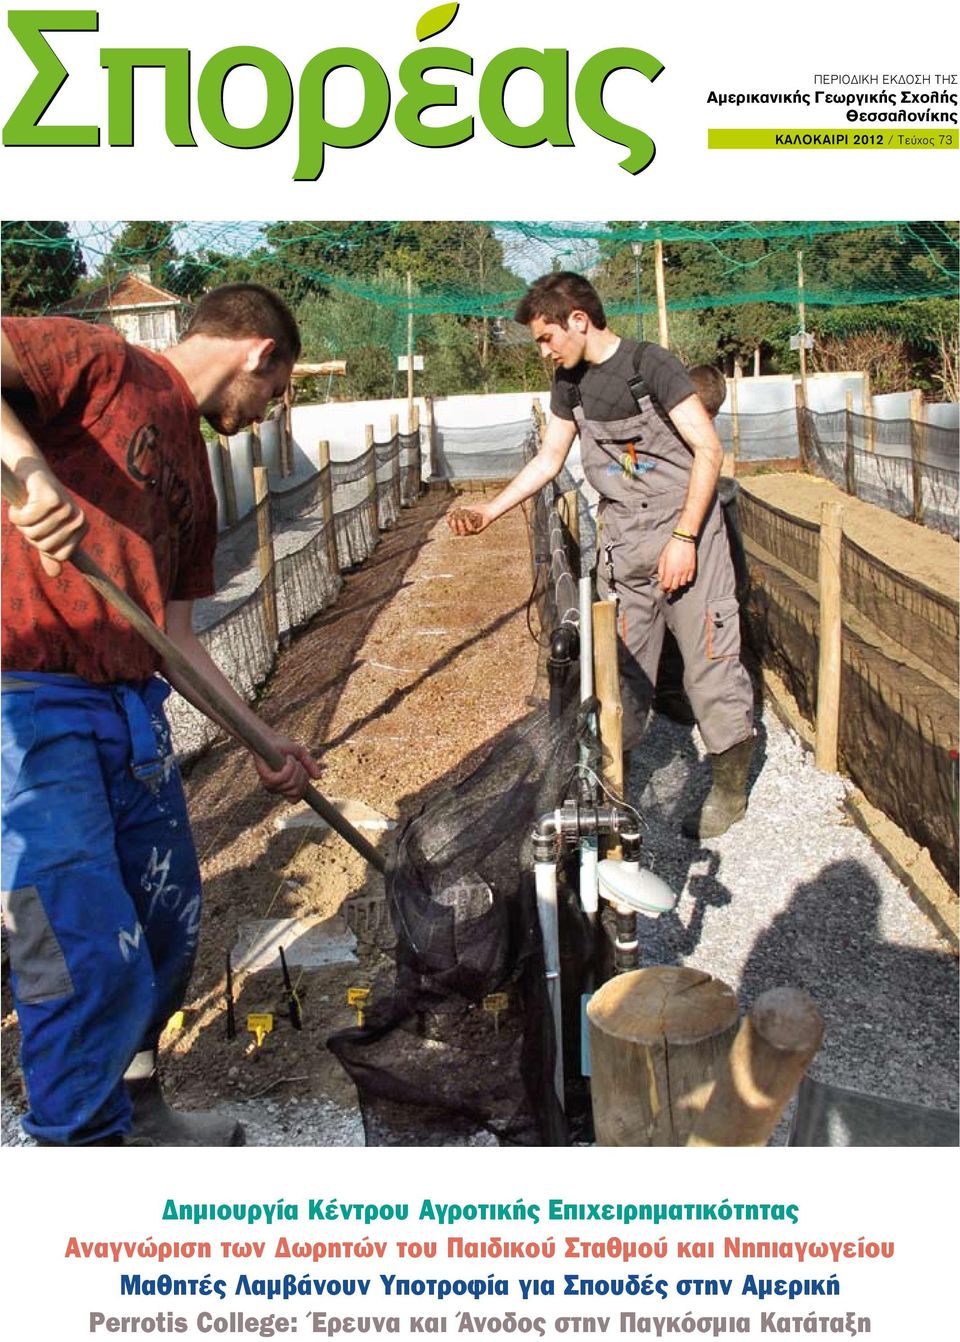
{"type": "Point", "coordinates": [849, 459]}
{"type": "Point", "coordinates": [326, 503]}
{"type": "Point", "coordinates": [256, 446]}
{"type": "Point", "coordinates": [774, 1046]}
{"type": "Point", "coordinates": [831, 637]}
{"type": "Point", "coordinates": [918, 451]}
{"type": "Point", "coordinates": [869, 436]}
{"type": "Point", "coordinates": [662, 328]}
{"type": "Point", "coordinates": [286, 437]}
{"type": "Point", "coordinates": [372, 474]}
{"type": "Point", "coordinates": [265, 556]}
{"type": "Point", "coordinates": [802, 428]}
{"type": "Point", "coordinates": [730, 459]}
{"type": "Point", "coordinates": [606, 679]}
{"type": "Point", "coordinates": [658, 1037]}
{"type": "Point", "coordinates": [229, 484]}
{"type": "Point", "coordinates": [570, 516]}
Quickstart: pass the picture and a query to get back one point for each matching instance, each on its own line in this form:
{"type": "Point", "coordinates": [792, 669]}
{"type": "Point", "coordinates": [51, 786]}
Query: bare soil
{"type": "Point", "coordinates": [399, 689]}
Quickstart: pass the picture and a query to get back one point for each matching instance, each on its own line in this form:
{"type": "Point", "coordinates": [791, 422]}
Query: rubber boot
{"type": "Point", "coordinates": [156, 1124]}
{"type": "Point", "coordinates": [726, 802]}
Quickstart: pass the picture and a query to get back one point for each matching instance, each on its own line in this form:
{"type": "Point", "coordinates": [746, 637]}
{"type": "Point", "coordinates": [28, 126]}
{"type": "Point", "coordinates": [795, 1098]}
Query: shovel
{"type": "Point", "coordinates": [212, 702]}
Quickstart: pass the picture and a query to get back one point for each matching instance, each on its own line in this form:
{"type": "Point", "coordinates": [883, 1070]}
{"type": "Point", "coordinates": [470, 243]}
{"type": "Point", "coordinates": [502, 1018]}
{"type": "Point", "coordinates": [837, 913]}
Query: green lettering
{"type": "Point", "coordinates": [316, 130]}
{"type": "Point", "coordinates": [28, 26]}
{"type": "Point", "coordinates": [589, 98]}
{"type": "Point", "coordinates": [120, 63]}
{"type": "Point", "coordinates": [421, 94]}
{"type": "Point", "coordinates": [277, 112]}
{"type": "Point", "coordinates": [552, 125]}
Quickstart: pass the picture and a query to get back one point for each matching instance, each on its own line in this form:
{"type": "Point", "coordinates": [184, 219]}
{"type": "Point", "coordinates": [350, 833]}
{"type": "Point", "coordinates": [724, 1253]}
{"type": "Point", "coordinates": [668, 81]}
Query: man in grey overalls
{"type": "Point", "coordinates": [650, 450]}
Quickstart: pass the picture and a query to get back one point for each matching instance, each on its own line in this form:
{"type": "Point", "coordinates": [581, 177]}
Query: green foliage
{"type": "Point", "coordinates": [732, 287]}
{"type": "Point", "coordinates": [42, 265]}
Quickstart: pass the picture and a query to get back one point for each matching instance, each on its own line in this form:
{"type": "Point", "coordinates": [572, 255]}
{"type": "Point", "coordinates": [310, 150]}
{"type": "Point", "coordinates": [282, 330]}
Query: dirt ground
{"type": "Point", "coordinates": [928, 556]}
{"type": "Point", "coordinates": [391, 688]}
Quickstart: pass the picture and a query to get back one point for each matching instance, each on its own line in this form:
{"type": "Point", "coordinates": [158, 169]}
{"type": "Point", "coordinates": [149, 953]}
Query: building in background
{"type": "Point", "coordinates": [141, 311]}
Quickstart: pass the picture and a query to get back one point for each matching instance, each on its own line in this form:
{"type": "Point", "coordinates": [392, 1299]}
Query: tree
{"type": "Point", "coordinates": [41, 265]}
{"type": "Point", "coordinates": [142, 242]}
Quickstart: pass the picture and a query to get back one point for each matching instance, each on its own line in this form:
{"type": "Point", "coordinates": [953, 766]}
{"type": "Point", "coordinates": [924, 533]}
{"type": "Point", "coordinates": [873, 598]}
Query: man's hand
{"type": "Point", "coordinates": [469, 521]}
{"type": "Point", "coordinates": [50, 520]}
{"type": "Point", "coordinates": [677, 565]}
{"type": "Point", "coordinates": [298, 769]}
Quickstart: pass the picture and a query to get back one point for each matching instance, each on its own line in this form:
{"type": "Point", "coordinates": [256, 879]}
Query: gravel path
{"type": "Point", "coordinates": [795, 894]}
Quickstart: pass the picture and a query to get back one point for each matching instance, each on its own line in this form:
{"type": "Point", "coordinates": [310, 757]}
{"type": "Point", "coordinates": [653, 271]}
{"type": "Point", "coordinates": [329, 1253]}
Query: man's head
{"type": "Point", "coordinates": [256, 337]}
{"type": "Point", "coordinates": [711, 386]}
{"type": "Point", "coordinates": [562, 310]}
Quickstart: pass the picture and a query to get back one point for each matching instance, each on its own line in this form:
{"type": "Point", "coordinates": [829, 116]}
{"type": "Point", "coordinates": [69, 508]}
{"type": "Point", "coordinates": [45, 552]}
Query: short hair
{"type": "Point", "coordinates": [239, 311]}
{"type": "Point", "coordinates": [710, 385]}
{"type": "Point", "coordinates": [553, 297]}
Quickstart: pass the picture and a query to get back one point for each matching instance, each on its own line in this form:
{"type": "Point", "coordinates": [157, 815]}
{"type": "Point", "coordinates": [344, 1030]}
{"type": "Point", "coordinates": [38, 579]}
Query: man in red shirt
{"type": "Point", "coordinates": [100, 877]}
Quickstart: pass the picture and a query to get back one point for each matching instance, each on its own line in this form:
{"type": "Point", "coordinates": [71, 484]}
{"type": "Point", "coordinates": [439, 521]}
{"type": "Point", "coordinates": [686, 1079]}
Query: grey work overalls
{"type": "Point", "coordinates": [640, 467]}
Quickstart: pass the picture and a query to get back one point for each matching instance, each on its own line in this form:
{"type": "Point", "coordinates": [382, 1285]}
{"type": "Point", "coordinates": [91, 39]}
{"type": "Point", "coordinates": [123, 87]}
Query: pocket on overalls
{"type": "Point", "coordinates": [723, 629]}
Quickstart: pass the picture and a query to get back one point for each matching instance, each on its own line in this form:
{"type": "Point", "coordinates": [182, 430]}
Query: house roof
{"type": "Point", "coordinates": [129, 292]}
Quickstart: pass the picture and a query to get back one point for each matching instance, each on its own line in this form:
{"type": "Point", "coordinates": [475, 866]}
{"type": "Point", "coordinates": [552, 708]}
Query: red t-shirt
{"type": "Point", "coordinates": [121, 429]}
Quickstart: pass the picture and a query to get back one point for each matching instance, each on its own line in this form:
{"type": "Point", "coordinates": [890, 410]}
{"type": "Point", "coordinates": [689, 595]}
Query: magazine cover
{"type": "Point", "coordinates": [480, 628]}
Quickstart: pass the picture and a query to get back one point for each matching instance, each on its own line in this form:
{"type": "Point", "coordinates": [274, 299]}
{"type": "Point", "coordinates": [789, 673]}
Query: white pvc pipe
{"type": "Point", "coordinates": [589, 853]}
{"type": "Point", "coordinates": [586, 639]}
{"type": "Point", "coordinates": [545, 875]}
{"type": "Point", "coordinates": [589, 884]}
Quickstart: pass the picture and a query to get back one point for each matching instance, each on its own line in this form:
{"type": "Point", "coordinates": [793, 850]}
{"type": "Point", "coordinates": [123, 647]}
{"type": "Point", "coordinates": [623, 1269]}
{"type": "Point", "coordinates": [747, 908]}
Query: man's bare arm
{"type": "Point", "coordinates": [544, 467]}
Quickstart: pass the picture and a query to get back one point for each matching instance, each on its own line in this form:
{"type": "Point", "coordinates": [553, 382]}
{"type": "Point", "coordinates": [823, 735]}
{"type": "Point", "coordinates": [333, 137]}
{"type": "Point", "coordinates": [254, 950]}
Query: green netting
{"type": "Point", "coordinates": [370, 290]}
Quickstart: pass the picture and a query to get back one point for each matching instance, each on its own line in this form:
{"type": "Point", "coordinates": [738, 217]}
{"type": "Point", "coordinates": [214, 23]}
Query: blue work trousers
{"type": "Point", "coordinates": [101, 892]}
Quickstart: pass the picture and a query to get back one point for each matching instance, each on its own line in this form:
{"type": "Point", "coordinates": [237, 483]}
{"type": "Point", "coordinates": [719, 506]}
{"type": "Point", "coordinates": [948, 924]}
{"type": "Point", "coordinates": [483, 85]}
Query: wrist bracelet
{"type": "Point", "coordinates": [684, 536]}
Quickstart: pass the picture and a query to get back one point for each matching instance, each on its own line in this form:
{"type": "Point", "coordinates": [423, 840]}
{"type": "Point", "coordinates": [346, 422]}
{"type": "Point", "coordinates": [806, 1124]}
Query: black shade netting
{"type": "Point", "coordinates": [458, 1042]}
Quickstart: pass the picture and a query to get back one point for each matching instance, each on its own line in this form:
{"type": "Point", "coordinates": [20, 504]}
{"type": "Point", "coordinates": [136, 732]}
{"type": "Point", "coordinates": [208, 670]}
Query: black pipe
{"type": "Point", "coordinates": [564, 650]}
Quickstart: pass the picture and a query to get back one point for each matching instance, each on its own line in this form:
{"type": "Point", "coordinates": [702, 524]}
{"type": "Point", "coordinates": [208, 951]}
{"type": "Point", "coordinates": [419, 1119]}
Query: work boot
{"type": "Point", "coordinates": [726, 801]}
{"type": "Point", "coordinates": [156, 1124]}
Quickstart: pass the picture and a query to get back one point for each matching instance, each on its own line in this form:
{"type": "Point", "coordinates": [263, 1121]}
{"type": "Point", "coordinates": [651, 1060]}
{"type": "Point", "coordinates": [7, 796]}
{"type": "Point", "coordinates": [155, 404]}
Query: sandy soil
{"type": "Point", "coordinates": [929, 556]}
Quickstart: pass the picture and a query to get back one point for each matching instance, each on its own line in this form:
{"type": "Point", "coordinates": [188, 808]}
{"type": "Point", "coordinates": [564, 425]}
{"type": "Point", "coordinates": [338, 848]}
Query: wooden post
{"type": "Point", "coordinates": [869, 435]}
{"type": "Point", "coordinates": [849, 456]}
{"type": "Point", "coordinates": [431, 440]}
{"type": "Point", "coordinates": [918, 451]}
{"type": "Point", "coordinates": [730, 459]}
{"type": "Point", "coordinates": [606, 679]}
{"type": "Point", "coordinates": [326, 503]}
{"type": "Point", "coordinates": [409, 348]}
{"type": "Point", "coordinates": [803, 327]}
{"type": "Point", "coordinates": [265, 557]}
{"type": "Point", "coordinates": [372, 475]}
{"type": "Point", "coordinates": [570, 516]}
{"type": "Point", "coordinates": [663, 333]}
{"type": "Point", "coordinates": [286, 438]}
{"type": "Point", "coordinates": [657, 1039]}
{"type": "Point", "coordinates": [774, 1046]}
{"type": "Point", "coordinates": [394, 426]}
{"type": "Point", "coordinates": [831, 636]}
{"type": "Point", "coordinates": [229, 484]}
{"type": "Point", "coordinates": [256, 447]}
{"type": "Point", "coordinates": [802, 427]}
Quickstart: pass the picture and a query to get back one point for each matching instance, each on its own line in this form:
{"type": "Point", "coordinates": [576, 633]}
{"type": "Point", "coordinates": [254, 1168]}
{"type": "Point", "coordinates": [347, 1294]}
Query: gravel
{"type": "Point", "coordinates": [794, 894]}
